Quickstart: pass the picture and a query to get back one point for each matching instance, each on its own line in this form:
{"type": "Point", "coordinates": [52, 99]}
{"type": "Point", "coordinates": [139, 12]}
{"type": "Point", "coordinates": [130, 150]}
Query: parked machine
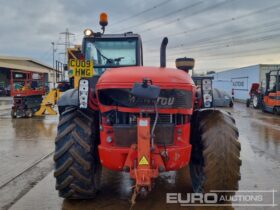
{"type": "Point", "coordinates": [27, 89]}
{"type": "Point", "coordinates": [140, 120]}
{"type": "Point", "coordinates": [49, 102]}
{"type": "Point", "coordinates": [267, 95]}
{"type": "Point", "coordinates": [204, 91]}
{"type": "Point", "coordinates": [255, 96]}
{"type": "Point", "coordinates": [271, 93]}
{"type": "Point", "coordinates": [209, 96]}
{"type": "Point", "coordinates": [51, 99]}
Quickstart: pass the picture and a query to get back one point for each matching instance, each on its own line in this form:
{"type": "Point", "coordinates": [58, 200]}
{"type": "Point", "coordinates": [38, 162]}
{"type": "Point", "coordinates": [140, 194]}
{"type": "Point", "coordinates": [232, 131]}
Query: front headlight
{"type": "Point", "coordinates": [207, 92]}
{"type": "Point", "coordinates": [88, 32]}
{"type": "Point", "coordinates": [207, 100]}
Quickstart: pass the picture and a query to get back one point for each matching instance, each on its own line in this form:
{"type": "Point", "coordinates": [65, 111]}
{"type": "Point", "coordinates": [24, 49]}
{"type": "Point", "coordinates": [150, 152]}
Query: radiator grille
{"type": "Point", "coordinates": [167, 99]}
{"type": "Point", "coordinates": [125, 135]}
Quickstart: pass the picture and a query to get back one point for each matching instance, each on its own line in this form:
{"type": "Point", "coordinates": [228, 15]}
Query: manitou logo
{"type": "Point", "coordinates": [165, 101]}
{"type": "Point", "coordinates": [161, 101]}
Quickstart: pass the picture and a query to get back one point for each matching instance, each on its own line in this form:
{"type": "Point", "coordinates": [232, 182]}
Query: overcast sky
{"type": "Point", "coordinates": [219, 34]}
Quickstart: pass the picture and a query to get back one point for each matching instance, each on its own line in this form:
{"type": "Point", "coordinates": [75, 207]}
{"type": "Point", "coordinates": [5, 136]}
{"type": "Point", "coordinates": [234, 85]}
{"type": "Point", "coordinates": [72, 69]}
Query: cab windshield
{"type": "Point", "coordinates": [111, 53]}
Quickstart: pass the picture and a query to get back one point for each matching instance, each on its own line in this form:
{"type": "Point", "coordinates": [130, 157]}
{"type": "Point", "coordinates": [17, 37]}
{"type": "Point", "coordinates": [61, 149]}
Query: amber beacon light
{"type": "Point", "coordinates": [103, 20]}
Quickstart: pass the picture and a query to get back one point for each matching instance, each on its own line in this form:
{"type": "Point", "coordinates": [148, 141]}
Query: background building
{"type": "Point", "coordinates": [241, 79]}
{"type": "Point", "coordinates": [23, 64]}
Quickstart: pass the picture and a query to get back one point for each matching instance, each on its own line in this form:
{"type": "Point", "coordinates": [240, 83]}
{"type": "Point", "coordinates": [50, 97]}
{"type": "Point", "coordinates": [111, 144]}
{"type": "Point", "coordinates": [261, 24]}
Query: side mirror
{"type": "Point", "coordinates": [185, 64]}
{"type": "Point", "coordinates": [145, 90]}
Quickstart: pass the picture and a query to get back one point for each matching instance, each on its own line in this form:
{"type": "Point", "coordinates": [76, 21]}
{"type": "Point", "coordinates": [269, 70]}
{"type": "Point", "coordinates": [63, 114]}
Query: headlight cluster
{"type": "Point", "coordinates": [83, 93]}
{"type": "Point", "coordinates": [207, 93]}
{"type": "Point", "coordinates": [88, 32]}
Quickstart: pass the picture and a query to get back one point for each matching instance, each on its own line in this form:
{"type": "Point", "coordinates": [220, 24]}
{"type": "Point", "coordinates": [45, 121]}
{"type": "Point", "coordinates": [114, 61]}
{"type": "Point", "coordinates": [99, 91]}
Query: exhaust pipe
{"type": "Point", "coordinates": [163, 52]}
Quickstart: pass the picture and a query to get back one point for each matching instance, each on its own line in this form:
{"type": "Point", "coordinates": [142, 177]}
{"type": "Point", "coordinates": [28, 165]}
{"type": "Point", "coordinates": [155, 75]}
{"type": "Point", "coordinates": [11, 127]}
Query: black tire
{"type": "Point", "coordinates": [13, 114]}
{"type": "Point", "coordinates": [29, 113]}
{"type": "Point", "coordinates": [215, 161]}
{"type": "Point", "coordinates": [248, 101]}
{"type": "Point", "coordinates": [263, 107]}
{"type": "Point", "coordinates": [276, 110]}
{"type": "Point", "coordinates": [61, 109]}
{"type": "Point", "coordinates": [77, 163]}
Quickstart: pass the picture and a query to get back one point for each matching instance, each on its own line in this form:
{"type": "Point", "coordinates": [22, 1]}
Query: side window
{"type": "Point", "coordinates": [272, 83]}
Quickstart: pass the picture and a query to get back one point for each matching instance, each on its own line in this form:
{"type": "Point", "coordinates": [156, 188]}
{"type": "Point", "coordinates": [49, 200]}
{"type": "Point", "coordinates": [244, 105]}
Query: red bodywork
{"type": "Point", "coordinates": [116, 158]}
{"type": "Point", "coordinates": [28, 84]}
{"type": "Point", "coordinates": [162, 158]}
{"type": "Point", "coordinates": [272, 99]}
{"type": "Point", "coordinates": [254, 89]}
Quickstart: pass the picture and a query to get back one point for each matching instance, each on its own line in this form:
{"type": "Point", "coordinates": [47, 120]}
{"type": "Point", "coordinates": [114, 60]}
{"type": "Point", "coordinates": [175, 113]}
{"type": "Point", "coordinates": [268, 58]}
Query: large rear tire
{"type": "Point", "coordinates": [215, 161]}
{"type": "Point", "coordinates": [276, 110]}
{"type": "Point", "coordinates": [248, 102]}
{"type": "Point", "coordinates": [77, 163]}
{"type": "Point", "coordinates": [61, 109]}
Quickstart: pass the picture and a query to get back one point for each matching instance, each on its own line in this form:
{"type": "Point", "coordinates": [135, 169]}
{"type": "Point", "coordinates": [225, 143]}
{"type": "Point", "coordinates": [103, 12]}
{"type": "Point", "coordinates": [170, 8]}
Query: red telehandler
{"type": "Point", "coordinates": [141, 120]}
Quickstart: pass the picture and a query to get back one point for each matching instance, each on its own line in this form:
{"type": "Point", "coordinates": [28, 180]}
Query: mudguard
{"type": "Point", "coordinates": [69, 98]}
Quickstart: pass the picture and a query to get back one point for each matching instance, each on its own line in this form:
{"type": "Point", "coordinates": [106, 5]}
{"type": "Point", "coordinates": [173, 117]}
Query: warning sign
{"type": "Point", "coordinates": [143, 161]}
{"type": "Point", "coordinates": [81, 68]}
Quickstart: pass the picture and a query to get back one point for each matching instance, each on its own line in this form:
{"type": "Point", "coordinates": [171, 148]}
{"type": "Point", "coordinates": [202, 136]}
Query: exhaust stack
{"type": "Point", "coordinates": [163, 52]}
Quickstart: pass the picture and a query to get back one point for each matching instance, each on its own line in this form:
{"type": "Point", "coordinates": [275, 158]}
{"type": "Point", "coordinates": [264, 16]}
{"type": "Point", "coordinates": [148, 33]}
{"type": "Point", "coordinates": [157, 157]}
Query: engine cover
{"type": "Point", "coordinates": [159, 76]}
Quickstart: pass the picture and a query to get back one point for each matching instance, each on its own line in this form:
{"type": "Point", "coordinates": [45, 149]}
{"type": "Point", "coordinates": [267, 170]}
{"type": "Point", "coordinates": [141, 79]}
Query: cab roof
{"type": "Point", "coordinates": [124, 35]}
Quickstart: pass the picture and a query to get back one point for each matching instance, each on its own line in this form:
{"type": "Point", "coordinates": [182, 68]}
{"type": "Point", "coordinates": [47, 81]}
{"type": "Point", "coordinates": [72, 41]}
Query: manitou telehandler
{"type": "Point", "coordinates": [141, 120]}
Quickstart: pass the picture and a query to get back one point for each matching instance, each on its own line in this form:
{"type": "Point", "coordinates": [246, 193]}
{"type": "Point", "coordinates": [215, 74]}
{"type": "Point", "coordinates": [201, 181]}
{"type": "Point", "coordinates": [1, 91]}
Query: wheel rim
{"type": "Point", "coordinates": [28, 113]}
{"type": "Point", "coordinates": [14, 114]}
{"type": "Point", "coordinates": [255, 101]}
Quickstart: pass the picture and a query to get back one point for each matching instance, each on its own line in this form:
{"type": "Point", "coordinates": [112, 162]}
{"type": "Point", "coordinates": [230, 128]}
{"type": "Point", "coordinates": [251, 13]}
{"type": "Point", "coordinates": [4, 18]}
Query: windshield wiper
{"type": "Point", "coordinates": [118, 60]}
{"type": "Point", "coordinates": [115, 61]}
